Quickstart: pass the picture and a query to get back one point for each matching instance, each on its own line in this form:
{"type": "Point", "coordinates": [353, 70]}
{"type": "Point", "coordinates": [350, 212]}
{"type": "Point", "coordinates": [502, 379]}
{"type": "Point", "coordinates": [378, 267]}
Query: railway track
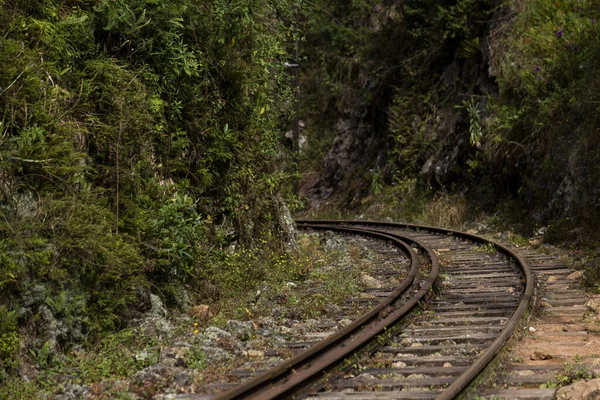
{"type": "Point", "coordinates": [484, 291]}
{"type": "Point", "coordinates": [421, 341]}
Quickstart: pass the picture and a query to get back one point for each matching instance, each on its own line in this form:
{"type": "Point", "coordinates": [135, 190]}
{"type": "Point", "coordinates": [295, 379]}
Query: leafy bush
{"type": "Point", "coordinates": [542, 124]}
{"type": "Point", "coordinates": [125, 125]}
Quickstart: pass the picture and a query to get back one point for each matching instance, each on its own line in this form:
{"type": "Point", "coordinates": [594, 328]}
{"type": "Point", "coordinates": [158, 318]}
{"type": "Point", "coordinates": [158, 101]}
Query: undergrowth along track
{"type": "Point", "coordinates": [485, 293]}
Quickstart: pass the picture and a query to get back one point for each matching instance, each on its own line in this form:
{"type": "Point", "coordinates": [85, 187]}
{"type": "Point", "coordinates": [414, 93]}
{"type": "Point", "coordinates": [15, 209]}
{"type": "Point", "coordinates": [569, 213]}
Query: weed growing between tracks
{"type": "Point", "coordinates": [354, 364]}
{"type": "Point", "coordinates": [570, 374]}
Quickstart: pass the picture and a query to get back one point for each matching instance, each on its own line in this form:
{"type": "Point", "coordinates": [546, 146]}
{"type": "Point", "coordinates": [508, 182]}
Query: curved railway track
{"type": "Point", "coordinates": [310, 365]}
{"type": "Point", "coordinates": [485, 292]}
{"type": "Point", "coordinates": [431, 344]}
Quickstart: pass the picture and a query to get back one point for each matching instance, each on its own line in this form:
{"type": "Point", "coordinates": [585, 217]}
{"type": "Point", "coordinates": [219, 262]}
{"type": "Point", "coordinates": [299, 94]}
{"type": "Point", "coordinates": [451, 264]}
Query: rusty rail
{"type": "Point", "coordinates": [465, 379]}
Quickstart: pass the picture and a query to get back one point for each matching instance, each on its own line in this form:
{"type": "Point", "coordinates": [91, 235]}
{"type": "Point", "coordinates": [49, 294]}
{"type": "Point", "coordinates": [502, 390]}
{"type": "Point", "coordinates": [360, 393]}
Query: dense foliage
{"type": "Point", "coordinates": [544, 123]}
{"type": "Point", "coordinates": [137, 139]}
{"type": "Point", "coordinates": [490, 103]}
{"type": "Point", "coordinates": [397, 65]}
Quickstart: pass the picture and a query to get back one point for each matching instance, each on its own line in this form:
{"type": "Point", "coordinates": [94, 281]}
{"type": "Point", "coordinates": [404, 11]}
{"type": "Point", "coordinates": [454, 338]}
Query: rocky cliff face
{"type": "Point", "coordinates": [437, 137]}
{"type": "Point", "coordinates": [357, 145]}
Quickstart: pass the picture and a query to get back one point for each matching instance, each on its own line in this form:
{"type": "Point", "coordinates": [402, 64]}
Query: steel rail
{"type": "Point", "coordinates": [309, 365]}
{"type": "Point", "coordinates": [465, 379]}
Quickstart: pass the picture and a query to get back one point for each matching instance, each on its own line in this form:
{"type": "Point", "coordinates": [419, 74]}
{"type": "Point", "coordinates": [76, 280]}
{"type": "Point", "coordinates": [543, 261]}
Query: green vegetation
{"type": "Point", "coordinates": [396, 73]}
{"type": "Point", "coordinates": [138, 141]}
{"type": "Point", "coordinates": [140, 146]}
{"type": "Point", "coordinates": [543, 122]}
{"type": "Point", "coordinates": [570, 374]}
{"type": "Point", "coordinates": [109, 365]}
{"type": "Point", "coordinates": [303, 286]}
{"type": "Point", "coordinates": [9, 341]}
{"type": "Point", "coordinates": [477, 108]}
{"type": "Point", "coordinates": [117, 355]}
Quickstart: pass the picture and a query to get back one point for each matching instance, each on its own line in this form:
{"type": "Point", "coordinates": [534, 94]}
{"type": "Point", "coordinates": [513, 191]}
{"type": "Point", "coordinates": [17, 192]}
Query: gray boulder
{"type": "Point", "coordinates": [582, 390]}
{"type": "Point", "coordinates": [243, 330]}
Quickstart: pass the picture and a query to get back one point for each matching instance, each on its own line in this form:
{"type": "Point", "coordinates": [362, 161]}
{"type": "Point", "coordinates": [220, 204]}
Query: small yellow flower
{"type": "Point", "coordinates": [196, 331]}
{"type": "Point", "coordinates": [195, 324]}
